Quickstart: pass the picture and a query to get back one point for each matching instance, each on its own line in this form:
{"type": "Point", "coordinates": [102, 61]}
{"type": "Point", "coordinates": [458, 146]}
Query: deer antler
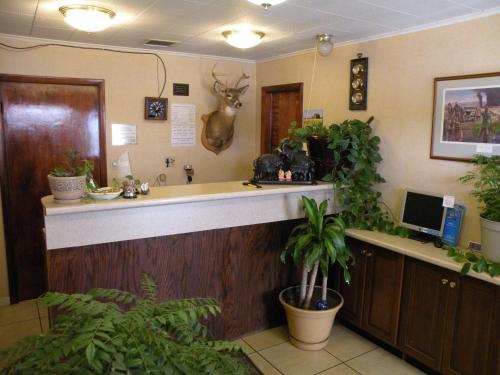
{"type": "Point", "coordinates": [217, 81]}
{"type": "Point", "coordinates": [243, 76]}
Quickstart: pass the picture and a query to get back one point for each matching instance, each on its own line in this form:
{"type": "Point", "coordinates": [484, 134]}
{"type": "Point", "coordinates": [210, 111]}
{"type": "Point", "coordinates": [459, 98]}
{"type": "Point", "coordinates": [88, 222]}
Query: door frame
{"type": "Point", "coordinates": [8, 231]}
{"type": "Point", "coordinates": [265, 122]}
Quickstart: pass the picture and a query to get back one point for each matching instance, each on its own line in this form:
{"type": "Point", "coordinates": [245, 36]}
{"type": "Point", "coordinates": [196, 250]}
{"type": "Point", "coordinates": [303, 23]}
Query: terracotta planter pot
{"type": "Point", "coordinates": [310, 329]}
{"type": "Point", "coordinates": [490, 239]}
{"type": "Point", "coordinates": [322, 156]}
{"type": "Point", "coordinates": [67, 189]}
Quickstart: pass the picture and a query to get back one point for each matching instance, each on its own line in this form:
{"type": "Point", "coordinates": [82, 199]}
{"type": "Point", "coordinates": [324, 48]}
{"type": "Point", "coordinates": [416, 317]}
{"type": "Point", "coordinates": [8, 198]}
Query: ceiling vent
{"type": "Point", "coordinates": [159, 43]}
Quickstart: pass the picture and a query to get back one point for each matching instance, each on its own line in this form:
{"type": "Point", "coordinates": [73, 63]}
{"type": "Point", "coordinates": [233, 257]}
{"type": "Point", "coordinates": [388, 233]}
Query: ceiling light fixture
{"type": "Point", "coordinates": [87, 18]}
{"type": "Point", "coordinates": [325, 44]}
{"type": "Point", "coordinates": [267, 3]}
{"type": "Point", "coordinates": [243, 38]}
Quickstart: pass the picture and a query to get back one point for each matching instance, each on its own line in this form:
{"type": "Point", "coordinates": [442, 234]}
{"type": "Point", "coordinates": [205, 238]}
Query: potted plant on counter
{"type": "Point", "coordinates": [317, 244]}
{"type": "Point", "coordinates": [68, 183]}
{"type": "Point", "coordinates": [487, 191]}
{"type": "Point", "coordinates": [316, 137]}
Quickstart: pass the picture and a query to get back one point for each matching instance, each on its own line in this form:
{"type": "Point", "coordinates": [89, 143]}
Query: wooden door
{"type": "Point", "coordinates": [351, 311]}
{"type": "Point", "coordinates": [473, 330]}
{"type": "Point", "coordinates": [382, 293]}
{"type": "Point", "coordinates": [41, 119]}
{"type": "Point", "coordinates": [423, 312]}
{"type": "Point", "coordinates": [281, 105]}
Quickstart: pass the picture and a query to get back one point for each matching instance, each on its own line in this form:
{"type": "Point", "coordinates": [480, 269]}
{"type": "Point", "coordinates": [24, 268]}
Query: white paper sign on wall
{"type": "Point", "coordinates": [449, 201]}
{"type": "Point", "coordinates": [123, 134]}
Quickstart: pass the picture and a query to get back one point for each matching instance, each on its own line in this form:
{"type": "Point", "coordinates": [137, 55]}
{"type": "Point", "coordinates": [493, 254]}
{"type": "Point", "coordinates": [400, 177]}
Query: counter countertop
{"type": "Point", "coordinates": [425, 252]}
{"type": "Point", "coordinates": [167, 195]}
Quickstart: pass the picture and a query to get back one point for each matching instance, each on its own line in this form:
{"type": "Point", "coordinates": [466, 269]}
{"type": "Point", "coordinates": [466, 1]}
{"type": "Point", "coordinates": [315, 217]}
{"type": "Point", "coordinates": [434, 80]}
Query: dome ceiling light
{"type": "Point", "coordinates": [325, 44]}
{"type": "Point", "coordinates": [87, 18]}
{"type": "Point", "coordinates": [243, 38]}
{"type": "Point", "coordinates": [267, 3]}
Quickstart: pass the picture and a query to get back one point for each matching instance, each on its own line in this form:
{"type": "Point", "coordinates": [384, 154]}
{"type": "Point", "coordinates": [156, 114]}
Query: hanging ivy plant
{"type": "Point", "coordinates": [356, 154]}
{"type": "Point", "coordinates": [473, 261]}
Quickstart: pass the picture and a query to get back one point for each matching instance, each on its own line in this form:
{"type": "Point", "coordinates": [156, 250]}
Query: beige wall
{"type": "Point", "coordinates": [401, 76]}
{"type": "Point", "coordinates": [400, 96]}
{"type": "Point", "coordinates": [130, 78]}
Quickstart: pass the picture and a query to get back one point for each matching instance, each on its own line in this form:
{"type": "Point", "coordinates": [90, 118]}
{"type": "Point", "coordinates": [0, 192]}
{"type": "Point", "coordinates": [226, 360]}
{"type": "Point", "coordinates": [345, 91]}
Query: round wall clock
{"type": "Point", "coordinates": [155, 108]}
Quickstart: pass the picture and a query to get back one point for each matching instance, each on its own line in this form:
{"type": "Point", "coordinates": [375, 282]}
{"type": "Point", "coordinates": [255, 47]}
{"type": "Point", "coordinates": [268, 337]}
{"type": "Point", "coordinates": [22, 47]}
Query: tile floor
{"type": "Point", "coordinates": [346, 354]}
{"type": "Point", "coordinates": [26, 318]}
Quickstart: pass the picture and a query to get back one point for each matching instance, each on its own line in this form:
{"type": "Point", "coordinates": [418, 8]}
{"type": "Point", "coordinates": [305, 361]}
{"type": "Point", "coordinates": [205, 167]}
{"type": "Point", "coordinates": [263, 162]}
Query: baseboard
{"type": "Point", "coordinates": [4, 301]}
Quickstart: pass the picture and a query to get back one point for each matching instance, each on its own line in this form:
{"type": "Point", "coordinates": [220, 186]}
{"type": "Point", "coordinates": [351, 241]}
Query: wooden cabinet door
{"type": "Point", "coordinates": [353, 292]}
{"type": "Point", "coordinates": [382, 293]}
{"type": "Point", "coordinates": [473, 331]}
{"type": "Point", "coordinates": [423, 311]}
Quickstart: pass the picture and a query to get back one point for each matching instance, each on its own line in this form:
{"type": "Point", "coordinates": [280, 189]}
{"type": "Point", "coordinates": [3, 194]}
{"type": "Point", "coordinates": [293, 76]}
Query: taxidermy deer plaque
{"type": "Point", "coordinates": [218, 126]}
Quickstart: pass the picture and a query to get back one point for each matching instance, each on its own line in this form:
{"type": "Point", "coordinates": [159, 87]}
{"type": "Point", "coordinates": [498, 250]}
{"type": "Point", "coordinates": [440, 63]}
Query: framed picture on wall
{"type": "Point", "coordinates": [466, 117]}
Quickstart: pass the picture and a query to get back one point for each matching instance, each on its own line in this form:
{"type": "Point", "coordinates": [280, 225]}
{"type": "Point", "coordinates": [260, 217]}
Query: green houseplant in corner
{"type": "Point", "coordinates": [97, 335]}
{"type": "Point", "coordinates": [68, 183]}
{"type": "Point", "coordinates": [487, 191]}
{"type": "Point", "coordinates": [314, 245]}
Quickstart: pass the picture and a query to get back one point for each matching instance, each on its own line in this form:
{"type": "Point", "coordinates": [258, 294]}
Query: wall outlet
{"type": "Point", "coordinates": [169, 161]}
{"type": "Point", "coordinates": [474, 246]}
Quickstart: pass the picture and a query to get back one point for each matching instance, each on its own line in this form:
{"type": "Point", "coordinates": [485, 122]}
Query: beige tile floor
{"type": "Point", "coordinates": [346, 354]}
{"type": "Point", "coordinates": [17, 321]}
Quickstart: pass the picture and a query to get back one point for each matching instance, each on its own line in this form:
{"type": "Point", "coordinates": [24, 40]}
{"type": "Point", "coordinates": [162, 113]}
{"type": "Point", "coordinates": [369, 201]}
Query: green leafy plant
{"type": "Point", "coordinates": [74, 166]}
{"type": "Point", "coordinates": [356, 155]}
{"type": "Point", "coordinates": [136, 182]}
{"type": "Point", "coordinates": [473, 261]}
{"type": "Point", "coordinates": [95, 335]}
{"type": "Point", "coordinates": [301, 134]}
{"type": "Point", "coordinates": [320, 242]}
{"type": "Point", "coordinates": [486, 185]}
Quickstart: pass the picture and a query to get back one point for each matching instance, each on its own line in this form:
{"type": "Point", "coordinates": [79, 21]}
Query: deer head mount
{"type": "Point", "coordinates": [218, 126]}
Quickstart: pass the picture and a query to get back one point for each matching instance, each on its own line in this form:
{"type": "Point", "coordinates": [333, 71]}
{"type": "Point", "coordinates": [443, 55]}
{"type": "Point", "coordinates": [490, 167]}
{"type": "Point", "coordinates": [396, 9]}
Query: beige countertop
{"type": "Point", "coordinates": [173, 210]}
{"type": "Point", "coordinates": [168, 195]}
{"type": "Point", "coordinates": [425, 252]}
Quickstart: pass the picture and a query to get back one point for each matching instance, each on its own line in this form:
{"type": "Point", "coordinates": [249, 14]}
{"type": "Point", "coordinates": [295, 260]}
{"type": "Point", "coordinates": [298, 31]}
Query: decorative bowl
{"type": "Point", "coordinates": [105, 193]}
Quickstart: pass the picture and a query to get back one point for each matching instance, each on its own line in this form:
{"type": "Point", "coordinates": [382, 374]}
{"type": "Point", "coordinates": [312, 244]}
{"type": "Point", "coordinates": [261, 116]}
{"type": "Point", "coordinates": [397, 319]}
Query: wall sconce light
{"type": "Point", "coordinates": [325, 44]}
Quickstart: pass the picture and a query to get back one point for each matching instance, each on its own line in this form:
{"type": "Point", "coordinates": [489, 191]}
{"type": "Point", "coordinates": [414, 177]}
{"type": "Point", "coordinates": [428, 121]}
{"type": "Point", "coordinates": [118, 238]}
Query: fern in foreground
{"type": "Point", "coordinates": [94, 335]}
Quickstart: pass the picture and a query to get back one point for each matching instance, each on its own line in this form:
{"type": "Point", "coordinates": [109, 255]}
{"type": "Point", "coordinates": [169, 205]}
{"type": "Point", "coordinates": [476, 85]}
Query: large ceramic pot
{"type": "Point", "coordinates": [310, 329]}
{"type": "Point", "coordinates": [321, 154]}
{"type": "Point", "coordinates": [490, 239]}
{"type": "Point", "coordinates": [67, 189]}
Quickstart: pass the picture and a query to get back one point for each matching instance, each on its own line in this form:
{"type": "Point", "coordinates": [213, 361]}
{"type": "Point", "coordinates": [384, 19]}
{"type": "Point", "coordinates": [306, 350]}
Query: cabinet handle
{"type": "Point", "coordinates": [452, 284]}
{"type": "Point", "coordinates": [444, 281]}
{"type": "Point", "coordinates": [369, 254]}
{"type": "Point", "coordinates": [363, 252]}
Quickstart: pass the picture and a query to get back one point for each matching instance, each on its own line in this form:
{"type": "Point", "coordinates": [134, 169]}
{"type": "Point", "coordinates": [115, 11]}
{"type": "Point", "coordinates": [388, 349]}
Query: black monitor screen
{"type": "Point", "coordinates": [423, 210]}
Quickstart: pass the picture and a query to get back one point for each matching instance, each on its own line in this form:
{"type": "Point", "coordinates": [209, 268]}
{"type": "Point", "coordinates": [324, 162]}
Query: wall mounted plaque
{"type": "Point", "coordinates": [181, 89]}
{"type": "Point", "coordinates": [358, 84]}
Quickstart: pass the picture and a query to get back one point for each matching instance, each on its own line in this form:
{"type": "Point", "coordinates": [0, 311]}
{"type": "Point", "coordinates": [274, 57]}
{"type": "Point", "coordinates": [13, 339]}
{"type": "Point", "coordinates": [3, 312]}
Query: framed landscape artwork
{"type": "Point", "coordinates": [466, 118]}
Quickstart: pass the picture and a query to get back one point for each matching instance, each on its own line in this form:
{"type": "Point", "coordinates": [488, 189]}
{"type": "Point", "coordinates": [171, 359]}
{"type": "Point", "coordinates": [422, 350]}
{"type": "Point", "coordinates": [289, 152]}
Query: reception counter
{"type": "Point", "coordinates": [220, 240]}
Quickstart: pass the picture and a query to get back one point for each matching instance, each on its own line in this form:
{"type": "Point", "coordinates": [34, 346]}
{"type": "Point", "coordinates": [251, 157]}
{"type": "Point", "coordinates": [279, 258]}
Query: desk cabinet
{"type": "Point", "coordinates": [372, 299]}
{"type": "Point", "coordinates": [448, 322]}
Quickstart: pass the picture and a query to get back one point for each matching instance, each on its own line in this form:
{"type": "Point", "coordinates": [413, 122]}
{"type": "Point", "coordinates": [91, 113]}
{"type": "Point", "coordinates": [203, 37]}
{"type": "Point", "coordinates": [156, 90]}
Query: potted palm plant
{"type": "Point", "coordinates": [317, 244]}
{"type": "Point", "coordinates": [67, 183]}
{"type": "Point", "coordinates": [487, 191]}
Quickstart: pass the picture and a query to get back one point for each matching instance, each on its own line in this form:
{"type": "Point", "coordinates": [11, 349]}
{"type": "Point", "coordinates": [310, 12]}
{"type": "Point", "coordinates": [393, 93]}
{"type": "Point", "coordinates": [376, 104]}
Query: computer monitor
{"type": "Point", "coordinates": [423, 212]}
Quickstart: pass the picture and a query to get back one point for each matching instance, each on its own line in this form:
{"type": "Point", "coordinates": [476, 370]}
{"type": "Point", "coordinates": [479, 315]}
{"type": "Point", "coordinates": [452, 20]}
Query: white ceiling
{"type": "Point", "coordinates": [197, 24]}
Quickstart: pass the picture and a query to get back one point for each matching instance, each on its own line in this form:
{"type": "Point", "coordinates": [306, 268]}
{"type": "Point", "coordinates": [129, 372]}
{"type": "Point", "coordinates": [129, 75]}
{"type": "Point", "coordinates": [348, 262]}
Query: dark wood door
{"type": "Point", "coordinates": [382, 293]}
{"type": "Point", "coordinates": [423, 314]}
{"type": "Point", "coordinates": [281, 105]}
{"type": "Point", "coordinates": [473, 331]}
{"type": "Point", "coordinates": [351, 311]}
{"type": "Point", "coordinates": [41, 119]}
